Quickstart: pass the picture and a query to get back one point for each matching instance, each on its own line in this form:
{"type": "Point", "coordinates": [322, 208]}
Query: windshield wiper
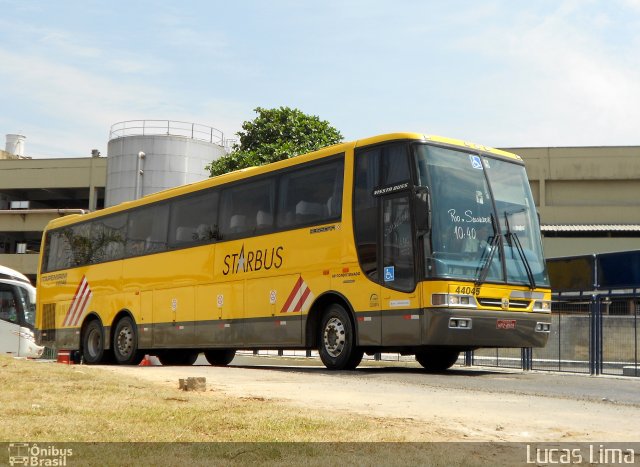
{"type": "Point", "coordinates": [482, 276]}
{"type": "Point", "coordinates": [513, 239]}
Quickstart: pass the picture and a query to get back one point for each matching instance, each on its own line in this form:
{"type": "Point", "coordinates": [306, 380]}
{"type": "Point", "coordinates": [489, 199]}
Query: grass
{"type": "Point", "coordinates": [152, 424]}
{"type": "Point", "coordinates": [53, 402]}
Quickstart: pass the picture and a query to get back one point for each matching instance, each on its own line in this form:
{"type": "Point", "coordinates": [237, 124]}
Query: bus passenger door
{"type": "Point", "coordinates": [400, 297]}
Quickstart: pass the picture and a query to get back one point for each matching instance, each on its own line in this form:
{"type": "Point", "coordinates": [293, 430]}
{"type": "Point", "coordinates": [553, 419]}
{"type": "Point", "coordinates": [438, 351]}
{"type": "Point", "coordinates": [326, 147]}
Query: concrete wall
{"type": "Point", "coordinates": [581, 185]}
{"type": "Point", "coordinates": [26, 264]}
{"type": "Point", "coordinates": [27, 174]}
{"type": "Point", "coordinates": [555, 247]}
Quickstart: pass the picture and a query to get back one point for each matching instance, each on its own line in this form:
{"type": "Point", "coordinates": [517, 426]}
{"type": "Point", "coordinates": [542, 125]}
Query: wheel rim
{"type": "Point", "coordinates": [334, 337]}
{"type": "Point", "coordinates": [94, 342]}
{"type": "Point", "coordinates": [125, 341]}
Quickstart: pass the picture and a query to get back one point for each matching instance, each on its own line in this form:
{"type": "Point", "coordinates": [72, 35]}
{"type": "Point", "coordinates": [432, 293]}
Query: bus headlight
{"type": "Point", "coordinates": [542, 306]}
{"type": "Point", "coordinates": [543, 327]}
{"type": "Point", "coordinates": [443, 299]}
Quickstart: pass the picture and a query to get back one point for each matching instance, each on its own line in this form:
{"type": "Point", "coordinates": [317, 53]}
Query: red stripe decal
{"type": "Point", "coordinates": [292, 295]}
{"type": "Point", "coordinates": [72, 309]}
{"type": "Point", "coordinates": [80, 309]}
{"type": "Point", "coordinates": [79, 303]}
{"type": "Point", "coordinates": [305, 294]}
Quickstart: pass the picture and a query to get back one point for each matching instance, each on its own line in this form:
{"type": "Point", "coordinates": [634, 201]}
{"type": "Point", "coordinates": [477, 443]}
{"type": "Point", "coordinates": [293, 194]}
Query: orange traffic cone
{"type": "Point", "coordinates": [146, 361]}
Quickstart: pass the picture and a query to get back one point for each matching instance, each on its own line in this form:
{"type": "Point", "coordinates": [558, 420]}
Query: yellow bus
{"type": "Point", "coordinates": [406, 243]}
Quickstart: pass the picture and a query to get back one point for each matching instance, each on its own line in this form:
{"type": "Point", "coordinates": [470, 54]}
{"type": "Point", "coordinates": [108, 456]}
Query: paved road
{"type": "Point", "coordinates": [610, 389]}
{"type": "Point", "coordinates": [463, 404]}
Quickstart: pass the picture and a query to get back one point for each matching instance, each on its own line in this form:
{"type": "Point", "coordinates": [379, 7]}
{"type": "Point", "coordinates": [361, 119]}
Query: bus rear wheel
{"type": "Point", "coordinates": [337, 348]}
{"type": "Point", "coordinates": [437, 359]}
{"type": "Point", "coordinates": [125, 342]}
{"type": "Point", "coordinates": [178, 357]}
{"type": "Point", "coordinates": [219, 357]}
{"type": "Point", "coordinates": [93, 343]}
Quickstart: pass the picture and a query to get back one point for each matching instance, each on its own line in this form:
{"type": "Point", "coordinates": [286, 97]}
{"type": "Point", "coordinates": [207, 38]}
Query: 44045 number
{"type": "Point", "coordinates": [468, 290]}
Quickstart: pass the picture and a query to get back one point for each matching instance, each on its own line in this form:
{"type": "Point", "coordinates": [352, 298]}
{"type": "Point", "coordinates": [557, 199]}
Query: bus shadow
{"type": "Point", "coordinates": [453, 372]}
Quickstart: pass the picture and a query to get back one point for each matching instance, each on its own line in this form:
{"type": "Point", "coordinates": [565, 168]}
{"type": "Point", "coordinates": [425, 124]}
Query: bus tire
{"type": "Point", "coordinates": [93, 343]}
{"type": "Point", "coordinates": [178, 357]}
{"type": "Point", "coordinates": [219, 357]}
{"type": "Point", "coordinates": [437, 359]}
{"type": "Point", "coordinates": [337, 345]}
{"type": "Point", "coordinates": [125, 342]}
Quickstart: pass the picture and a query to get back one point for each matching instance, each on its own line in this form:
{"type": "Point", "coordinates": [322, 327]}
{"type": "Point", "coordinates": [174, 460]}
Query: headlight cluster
{"type": "Point", "coordinates": [543, 327]}
{"type": "Point", "coordinates": [444, 299]}
{"type": "Point", "coordinates": [542, 305]}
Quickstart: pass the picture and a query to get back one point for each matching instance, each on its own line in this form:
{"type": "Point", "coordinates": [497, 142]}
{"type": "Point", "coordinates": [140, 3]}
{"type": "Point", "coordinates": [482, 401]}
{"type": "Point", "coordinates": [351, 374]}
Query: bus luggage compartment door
{"type": "Point", "coordinates": [173, 317]}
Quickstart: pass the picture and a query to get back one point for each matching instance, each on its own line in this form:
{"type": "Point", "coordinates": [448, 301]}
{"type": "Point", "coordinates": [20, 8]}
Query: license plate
{"type": "Point", "coordinates": [506, 324]}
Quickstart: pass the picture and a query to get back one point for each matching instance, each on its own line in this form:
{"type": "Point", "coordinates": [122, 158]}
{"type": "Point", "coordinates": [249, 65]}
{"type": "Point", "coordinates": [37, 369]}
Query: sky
{"type": "Point", "coordinates": [502, 73]}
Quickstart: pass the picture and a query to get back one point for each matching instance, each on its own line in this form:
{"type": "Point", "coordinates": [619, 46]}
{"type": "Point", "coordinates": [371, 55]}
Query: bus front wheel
{"type": "Point", "coordinates": [93, 343]}
{"type": "Point", "coordinates": [437, 359]}
{"type": "Point", "coordinates": [125, 342]}
{"type": "Point", "coordinates": [219, 357]}
{"type": "Point", "coordinates": [337, 348]}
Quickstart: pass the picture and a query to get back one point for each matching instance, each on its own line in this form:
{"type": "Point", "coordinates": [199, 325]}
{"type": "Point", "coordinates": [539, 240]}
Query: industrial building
{"type": "Point", "coordinates": [587, 197]}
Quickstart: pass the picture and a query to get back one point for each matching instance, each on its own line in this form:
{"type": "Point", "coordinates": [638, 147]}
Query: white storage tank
{"type": "Point", "coordinates": [15, 144]}
{"type": "Point", "coordinates": [146, 156]}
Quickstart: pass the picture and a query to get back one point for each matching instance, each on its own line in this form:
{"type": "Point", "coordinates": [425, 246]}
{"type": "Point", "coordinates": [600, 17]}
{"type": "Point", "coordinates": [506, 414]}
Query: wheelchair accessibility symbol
{"type": "Point", "coordinates": [389, 274]}
{"type": "Point", "coordinates": [476, 162]}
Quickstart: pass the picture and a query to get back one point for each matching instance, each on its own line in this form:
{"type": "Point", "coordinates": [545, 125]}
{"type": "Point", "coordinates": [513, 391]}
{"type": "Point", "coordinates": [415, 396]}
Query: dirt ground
{"type": "Point", "coordinates": [463, 406]}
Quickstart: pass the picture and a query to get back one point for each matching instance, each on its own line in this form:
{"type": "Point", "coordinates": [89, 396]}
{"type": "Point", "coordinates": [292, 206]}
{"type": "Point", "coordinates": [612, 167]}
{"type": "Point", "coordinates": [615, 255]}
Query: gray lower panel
{"type": "Point", "coordinates": [369, 328]}
{"type": "Point", "coordinates": [401, 327]}
{"type": "Point", "coordinates": [254, 332]}
{"type": "Point", "coordinates": [487, 328]}
{"type": "Point", "coordinates": [281, 330]}
{"type": "Point", "coordinates": [67, 339]}
{"type": "Point", "coordinates": [169, 335]}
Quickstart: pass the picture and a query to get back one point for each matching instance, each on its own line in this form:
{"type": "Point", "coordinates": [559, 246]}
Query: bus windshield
{"type": "Point", "coordinates": [28, 299]}
{"type": "Point", "coordinates": [484, 224]}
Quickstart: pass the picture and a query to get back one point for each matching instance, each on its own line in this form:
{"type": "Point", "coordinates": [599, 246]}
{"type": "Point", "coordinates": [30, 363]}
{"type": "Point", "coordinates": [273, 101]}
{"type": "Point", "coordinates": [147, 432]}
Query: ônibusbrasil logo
{"type": "Point", "coordinates": [38, 455]}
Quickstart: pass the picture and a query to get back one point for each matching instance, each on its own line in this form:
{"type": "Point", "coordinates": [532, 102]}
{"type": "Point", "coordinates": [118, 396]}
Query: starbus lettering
{"type": "Point", "coordinates": [253, 260]}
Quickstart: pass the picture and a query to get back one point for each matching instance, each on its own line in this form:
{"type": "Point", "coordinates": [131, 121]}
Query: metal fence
{"type": "Point", "coordinates": [167, 128]}
{"type": "Point", "coordinates": [593, 334]}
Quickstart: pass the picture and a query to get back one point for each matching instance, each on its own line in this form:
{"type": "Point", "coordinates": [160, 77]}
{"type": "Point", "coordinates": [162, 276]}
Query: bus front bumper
{"type": "Point", "coordinates": [480, 328]}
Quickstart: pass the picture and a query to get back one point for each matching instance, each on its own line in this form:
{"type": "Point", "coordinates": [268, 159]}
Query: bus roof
{"type": "Point", "coordinates": [11, 274]}
{"type": "Point", "coordinates": [256, 170]}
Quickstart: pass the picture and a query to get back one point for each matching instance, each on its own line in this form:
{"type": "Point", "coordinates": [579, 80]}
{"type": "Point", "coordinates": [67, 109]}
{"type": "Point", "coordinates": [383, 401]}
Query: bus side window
{"type": "Point", "coordinates": [147, 230]}
{"type": "Point", "coordinates": [194, 219]}
{"type": "Point", "coordinates": [247, 208]}
{"type": "Point", "coordinates": [311, 195]}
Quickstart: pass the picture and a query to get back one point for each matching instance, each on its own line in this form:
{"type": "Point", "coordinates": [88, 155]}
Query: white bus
{"type": "Point", "coordinates": [17, 315]}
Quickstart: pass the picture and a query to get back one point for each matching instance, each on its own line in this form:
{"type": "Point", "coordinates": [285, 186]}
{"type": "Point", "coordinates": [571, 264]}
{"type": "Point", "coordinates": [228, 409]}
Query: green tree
{"type": "Point", "coordinates": [274, 135]}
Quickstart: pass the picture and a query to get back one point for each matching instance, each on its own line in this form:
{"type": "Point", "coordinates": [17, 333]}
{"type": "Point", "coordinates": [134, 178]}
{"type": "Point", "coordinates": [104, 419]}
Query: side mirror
{"type": "Point", "coordinates": [422, 198]}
